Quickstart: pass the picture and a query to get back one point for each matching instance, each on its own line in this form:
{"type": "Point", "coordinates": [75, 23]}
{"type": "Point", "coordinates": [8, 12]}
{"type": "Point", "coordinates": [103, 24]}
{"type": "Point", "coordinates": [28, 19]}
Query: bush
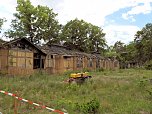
{"type": "Point", "coordinates": [145, 84]}
{"type": "Point", "coordinates": [90, 107]}
{"type": "Point", "coordinates": [148, 65]}
{"type": "Point", "coordinates": [149, 90]}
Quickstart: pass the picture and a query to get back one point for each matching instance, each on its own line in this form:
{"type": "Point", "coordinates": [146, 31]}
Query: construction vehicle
{"type": "Point", "coordinates": [78, 77]}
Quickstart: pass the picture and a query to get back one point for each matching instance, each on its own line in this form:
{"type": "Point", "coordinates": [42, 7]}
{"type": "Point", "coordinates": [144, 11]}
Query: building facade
{"type": "Point", "coordinates": [21, 57]}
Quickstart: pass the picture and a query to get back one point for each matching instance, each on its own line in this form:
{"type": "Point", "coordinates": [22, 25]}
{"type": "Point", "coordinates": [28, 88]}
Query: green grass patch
{"type": "Point", "coordinates": [108, 92]}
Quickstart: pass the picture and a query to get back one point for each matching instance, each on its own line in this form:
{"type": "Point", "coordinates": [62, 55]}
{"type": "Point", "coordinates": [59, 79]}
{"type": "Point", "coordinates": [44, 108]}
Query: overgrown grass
{"type": "Point", "coordinates": [108, 92]}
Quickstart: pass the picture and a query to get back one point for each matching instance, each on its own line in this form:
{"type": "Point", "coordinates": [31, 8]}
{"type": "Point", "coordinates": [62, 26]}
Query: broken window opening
{"type": "Point", "coordinates": [98, 63]}
{"type": "Point", "coordinates": [79, 62]}
{"type": "Point", "coordinates": [38, 61]}
{"type": "Point", "coordinates": [90, 62]}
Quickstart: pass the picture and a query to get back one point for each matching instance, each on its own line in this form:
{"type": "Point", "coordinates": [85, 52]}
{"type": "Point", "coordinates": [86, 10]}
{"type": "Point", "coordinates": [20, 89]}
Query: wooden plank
{"type": "Point", "coordinates": [19, 71]}
{"type": "Point", "coordinates": [29, 54]}
{"type": "Point", "coordinates": [29, 63]}
{"type": "Point", "coordinates": [21, 63]}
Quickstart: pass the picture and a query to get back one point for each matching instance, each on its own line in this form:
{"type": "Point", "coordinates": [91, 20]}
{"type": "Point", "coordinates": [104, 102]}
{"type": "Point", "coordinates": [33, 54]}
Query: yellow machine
{"type": "Point", "coordinates": [78, 75]}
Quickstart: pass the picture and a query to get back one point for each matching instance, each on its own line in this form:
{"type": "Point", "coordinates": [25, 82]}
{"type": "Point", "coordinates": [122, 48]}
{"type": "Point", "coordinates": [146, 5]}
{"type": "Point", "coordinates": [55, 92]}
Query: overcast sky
{"type": "Point", "coordinates": [120, 19]}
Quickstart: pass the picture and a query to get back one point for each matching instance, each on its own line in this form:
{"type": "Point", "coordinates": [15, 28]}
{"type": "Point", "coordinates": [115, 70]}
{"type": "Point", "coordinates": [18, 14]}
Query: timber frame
{"type": "Point", "coordinates": [60, 59]}
{"type": "Point", "coordinates": [21, 57]}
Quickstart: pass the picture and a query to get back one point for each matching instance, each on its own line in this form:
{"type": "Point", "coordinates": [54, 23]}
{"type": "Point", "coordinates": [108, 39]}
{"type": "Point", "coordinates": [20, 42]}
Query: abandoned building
{"type": "Point", "coordinates": [60, 59]}
{"type": "Point", "coordinates": [21, 57]}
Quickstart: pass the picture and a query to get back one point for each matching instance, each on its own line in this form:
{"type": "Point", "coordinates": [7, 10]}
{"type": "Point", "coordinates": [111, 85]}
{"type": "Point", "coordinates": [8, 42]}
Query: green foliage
{"type": "Point", "coordinates": [111, 92]}
{"type": "Point", "coordinates": [143, 40]}
{"type": "Point", "coordinates": [149, 90]}
{"type": "Point", "coordinates": [146, 84]}
{"type": "Point", "coordinates": [35, 23]}
{"type": "Point", "coordinates": [110, 52]}
{"type": "Point", "coordinates": [127, 54]}
{"type": "Point", "coordinates": [73, 87]}
{"type": "Point", "coordinates": [39, 23]}
{"type": "Point", "coordinates": [148, 65]}
{"type": "Point", "coordinates": [119, 47]}
{"type": "Point", "coordinates": [131, 52]}
{"type": "Point", "coordinates": [138, 51]}
{"type": "Point", "coordinates": [143, 82]}
{"type": "Point", "coordinates": [91, 107]}
{"type": "Point", "coordinates": [1, 23]}
{"type": "Point", "coordinates": [118, 50]}
{"type": "Point", "coordinates": [78, 34]}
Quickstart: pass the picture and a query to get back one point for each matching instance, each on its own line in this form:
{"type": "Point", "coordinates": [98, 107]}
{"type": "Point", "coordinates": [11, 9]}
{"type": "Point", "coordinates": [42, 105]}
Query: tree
{"type": "Point", "coordinates": [2, 20]}
{"type": "Point", "coordinates": [1, 23]}
{"type": "Point", "coordinates": [119, 47]}
{"type": "Point", "coordinates": [121, 52]}
{"type": "Point", "coordinates": [78, 34]}
{"type": "Point", "coordinates": [139, 50]}
{"type": "Point", "coordinates": [96, 36]}
{"type": "Point", "coordinates": [131, 52]}
{"type": "Point", "coordinates": [143, 40]}
{"type": "Point", "coordinates": [34, 23]}
{"type": "Point", "coordinates": [74, 33]}
{"type": "Point", "coordinates": [111, 52]}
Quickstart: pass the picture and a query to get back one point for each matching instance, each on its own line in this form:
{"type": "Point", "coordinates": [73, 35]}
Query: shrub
{"type": "Point", "coordinates": [145, 84]}
{"type": "Point", "coordinates": [149, 90]}
{"type": "Point", "coordinates": [148, 65]}
{"type": "Point", "coordinates": [142, 83]}
{"type": "Point", "coordinates": [90, 107]}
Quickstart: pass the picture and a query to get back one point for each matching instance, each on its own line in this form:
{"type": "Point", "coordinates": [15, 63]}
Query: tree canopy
{"type": "Point", "coordinates": [119, 46]}
{"type": "Point", "coordinates": [143, 40]}
{"type": "Point", "coordinates": [2, 20]}
{"type": "Point", "coordinates": [39, 23]}
{"type": "Point", "coordinates": [139, 50]}
{"type": "Point", "coordinates": [35, 23]}
{"type": "Point", "coordinates": [78, 34]}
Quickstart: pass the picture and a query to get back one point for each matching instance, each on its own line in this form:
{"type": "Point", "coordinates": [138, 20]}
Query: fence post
{"type": "Point", "coordinates": [15, 105]}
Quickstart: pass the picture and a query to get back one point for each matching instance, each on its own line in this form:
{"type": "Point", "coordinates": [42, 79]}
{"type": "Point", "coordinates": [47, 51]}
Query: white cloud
{"type": "Point", "coordinates": [7, 8]}
{"type": "Point", "coordinates": [146, 8]}
{"type": "Point", "coordinates": [93, 11]}
{"type": "Point", "coordinates": [124, 33]}
{"type": "Point", "coordinates": [128, 17]}
{"type": "Point", "coordinates": [139, 9]}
